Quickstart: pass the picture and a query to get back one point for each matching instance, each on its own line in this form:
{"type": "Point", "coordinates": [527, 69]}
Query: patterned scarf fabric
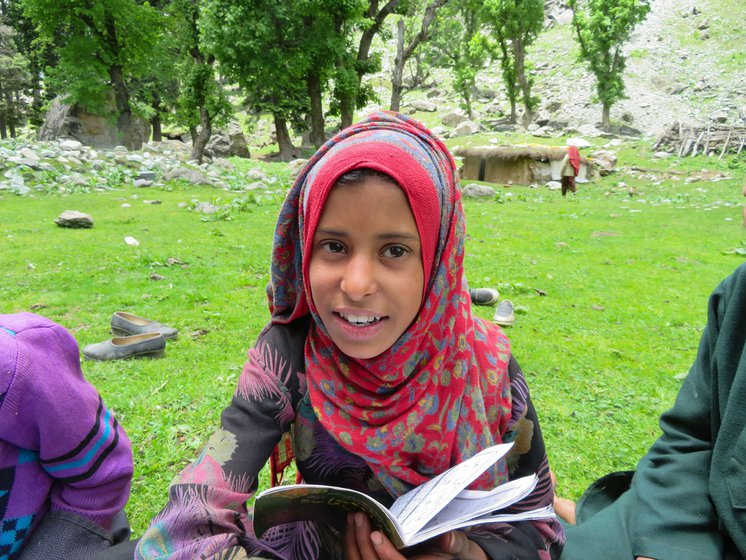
{"type": "Point", "coordinates": [441, 393]}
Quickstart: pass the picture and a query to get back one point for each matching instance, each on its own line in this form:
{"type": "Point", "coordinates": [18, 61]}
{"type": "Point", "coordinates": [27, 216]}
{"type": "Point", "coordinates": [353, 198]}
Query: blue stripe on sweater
{"type": "Point", "coordinates": [10, 332]}
{"type": "Point", "coordinates": [88, 456]}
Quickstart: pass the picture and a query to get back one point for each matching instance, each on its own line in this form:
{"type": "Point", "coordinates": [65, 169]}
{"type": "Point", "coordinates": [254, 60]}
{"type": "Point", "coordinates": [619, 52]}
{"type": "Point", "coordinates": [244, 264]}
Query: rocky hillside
{"type": "Point", "coordinates": [685, 63]}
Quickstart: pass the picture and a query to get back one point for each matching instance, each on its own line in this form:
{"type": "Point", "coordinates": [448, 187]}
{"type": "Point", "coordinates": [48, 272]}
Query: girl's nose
{"type": "Point", "coordinates": [358, 279]}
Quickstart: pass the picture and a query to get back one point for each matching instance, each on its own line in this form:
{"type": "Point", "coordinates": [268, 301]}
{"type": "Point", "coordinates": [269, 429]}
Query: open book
{"type": "Point", "coordinates": [440, 505]}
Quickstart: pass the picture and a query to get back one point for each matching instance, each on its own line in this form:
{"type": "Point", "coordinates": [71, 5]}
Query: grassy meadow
{"type": "Point", "coordinates": [610, 287]}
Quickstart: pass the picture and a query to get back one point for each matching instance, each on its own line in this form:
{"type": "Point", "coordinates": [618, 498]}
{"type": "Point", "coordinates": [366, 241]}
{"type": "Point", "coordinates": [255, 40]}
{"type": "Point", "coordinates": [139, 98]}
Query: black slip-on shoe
{"type": "Point", "coordinates": [147, 345]}
{"type": "Point", "coordinates": [127, 324]}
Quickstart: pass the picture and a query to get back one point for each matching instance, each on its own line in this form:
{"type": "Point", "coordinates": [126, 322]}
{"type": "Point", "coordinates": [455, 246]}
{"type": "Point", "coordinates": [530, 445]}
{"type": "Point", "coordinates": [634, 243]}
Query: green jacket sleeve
{"type": "Point", "coordinates": [673, 514]}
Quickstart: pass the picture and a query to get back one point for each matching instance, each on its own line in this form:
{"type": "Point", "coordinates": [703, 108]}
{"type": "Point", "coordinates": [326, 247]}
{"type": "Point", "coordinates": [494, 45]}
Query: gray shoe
{"type": "Point", "coordinates": [484, 296]}
{"type": "Point", "coordinates": [127, 324]}
{"type": "Point", "coordinates": [504, 315]}
{"type": "Point", "coordinates": [148, 345]}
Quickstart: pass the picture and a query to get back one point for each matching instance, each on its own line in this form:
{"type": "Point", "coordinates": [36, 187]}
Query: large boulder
{"type": "Point", "coordinates": [72, 121]}
{"type": "Point", "coordinates": [227, 143]}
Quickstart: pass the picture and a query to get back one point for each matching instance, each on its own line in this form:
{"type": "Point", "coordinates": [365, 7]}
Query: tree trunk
{"type": "Point", "coordinates": [121, 93]}
{"type": "Point", "coordinates": [3, 129]}
{"type": "Point", "coordinates": [155, 122]}
{"type": "Point", "coordinates": [348, 104]}
{"type": "Point", "coordinates": [513, 112]}
{"type": "Point", "coordinates": [403, 55]}
{"type": "Point", "coordinates": [523, 82]}
{"type": "Point", "coordinates": [203, 135]}
{"type": "Point", "coordinates": [124, 112]}
{"type": "Point", "coordinates": [606, 117]}
{"type": "Point", "coordinates": [397, 74]}
{"type": "Point", "coordinates": [287, 151]}
{"type": "Point", "coordinates": [10, 113]}
{"type": "Point", "coordinates": [318, 136]}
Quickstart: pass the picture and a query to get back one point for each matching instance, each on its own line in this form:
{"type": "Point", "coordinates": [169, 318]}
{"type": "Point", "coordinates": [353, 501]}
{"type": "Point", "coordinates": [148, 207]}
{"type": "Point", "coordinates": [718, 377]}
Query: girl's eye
{"type": "Point", "coordinates": [395, 251]}
{"type": "Point", "coordinates": [333, 246]}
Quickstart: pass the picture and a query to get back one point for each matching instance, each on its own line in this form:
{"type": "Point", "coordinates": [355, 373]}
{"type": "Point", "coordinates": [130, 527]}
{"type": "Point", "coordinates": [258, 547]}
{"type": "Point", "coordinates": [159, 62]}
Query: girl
{"type": "Point", "coordinates": [372, 364]}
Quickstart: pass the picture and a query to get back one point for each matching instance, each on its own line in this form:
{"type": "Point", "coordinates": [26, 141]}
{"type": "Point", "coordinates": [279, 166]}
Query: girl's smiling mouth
{"type": "Point", "coordinates": [359, 319]}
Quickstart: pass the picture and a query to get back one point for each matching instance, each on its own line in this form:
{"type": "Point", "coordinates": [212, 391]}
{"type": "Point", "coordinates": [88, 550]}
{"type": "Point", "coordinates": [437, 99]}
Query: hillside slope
{"type": "Point", "coordinates": [685, 63]}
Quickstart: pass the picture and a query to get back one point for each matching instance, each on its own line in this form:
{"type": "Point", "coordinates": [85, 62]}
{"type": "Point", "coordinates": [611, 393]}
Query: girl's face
{"type": "Point", "coordinates": [366, 272]}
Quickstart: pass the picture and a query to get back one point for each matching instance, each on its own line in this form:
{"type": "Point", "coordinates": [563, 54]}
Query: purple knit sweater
{"type": "Point", "coordinates": [60, 447]}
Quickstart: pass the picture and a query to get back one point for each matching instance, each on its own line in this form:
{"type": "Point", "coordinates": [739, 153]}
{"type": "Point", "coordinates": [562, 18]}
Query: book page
{"type": "Point", "coordinates": [534, 514]}
{"type": "Point", "coordinates": [415, 508]}
{"type": "Point", "coordinates": [469, 504]}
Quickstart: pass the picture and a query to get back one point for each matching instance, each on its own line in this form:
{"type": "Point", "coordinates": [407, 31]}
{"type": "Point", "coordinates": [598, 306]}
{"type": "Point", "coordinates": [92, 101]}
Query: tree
{"type": "Point", "coordinates": [14, 78]}
{"type": "Point", "coordinates": [404, 53]}
{"type": "Point", "coordinates": [517, 23]}
{"type": "Point", "coordinates": [257, 44]}
{"type": "Point", "coordinates": [457, 44]}
{"type": "Point", "coordinates": [352, 68]}
{"type": "Point", "coordinates": [102, 46]}
{"type": "Point", "coordinates": [201, 101]}
{"type": "Point", "coordinates": [602, 27]}
{"type": "Point", "coordinates": [39, 54]}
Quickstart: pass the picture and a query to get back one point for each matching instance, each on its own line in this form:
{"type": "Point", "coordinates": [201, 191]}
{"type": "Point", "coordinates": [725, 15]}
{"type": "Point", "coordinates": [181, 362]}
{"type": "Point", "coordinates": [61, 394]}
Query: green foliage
{"type": "Point", "coordinates": [14, 80]}
{"type": "Point", "coordinates": [457, 44]}
{"type": "Point", "coordinates": [602, 27]}
{"type": "Point", "coordinates": [94, 42]}
{"type": "Point", "coordinates": [516, 24]}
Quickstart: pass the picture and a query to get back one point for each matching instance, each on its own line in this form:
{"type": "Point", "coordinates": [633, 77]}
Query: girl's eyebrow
{"type": "Point", "coordinates": [394, 235]}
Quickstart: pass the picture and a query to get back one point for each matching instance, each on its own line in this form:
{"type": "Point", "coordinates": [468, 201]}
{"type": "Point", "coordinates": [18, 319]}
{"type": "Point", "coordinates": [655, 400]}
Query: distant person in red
{"type": "Point", "coordinates": [570, 169]}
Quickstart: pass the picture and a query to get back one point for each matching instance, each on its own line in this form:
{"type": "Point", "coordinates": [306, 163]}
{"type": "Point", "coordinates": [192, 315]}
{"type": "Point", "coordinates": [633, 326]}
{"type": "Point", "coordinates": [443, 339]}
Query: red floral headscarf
{"type": "Point", "coordinates": [441, 393]}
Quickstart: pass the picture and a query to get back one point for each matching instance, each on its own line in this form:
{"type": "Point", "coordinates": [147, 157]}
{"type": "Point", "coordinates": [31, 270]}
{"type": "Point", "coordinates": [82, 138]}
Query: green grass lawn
{"type": "Point", "coordinates": [611, 291]}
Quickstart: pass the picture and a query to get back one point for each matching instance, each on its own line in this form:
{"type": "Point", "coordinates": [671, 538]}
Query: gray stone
{"type": "Point", "coordinates": [296, 165]}
{"type": "Point", "coordinates": [74, 219]}
{"type": "Point", "coordinates": [604, 161]}
{"type": "Point", "coordinates": [473, 190]}
{"type": "Point", "coordinates": [423, 105]}
{"type": "Point", "coordinates": [454, 118]}
{"type": "Point", "coordinates": [146, 176]}
{"type": "Point", "coordinates": [466, 128]}
{"type": "Point", "coordinates": [140, 183]}
{"type": "Point", "coordinates": [190, 175]}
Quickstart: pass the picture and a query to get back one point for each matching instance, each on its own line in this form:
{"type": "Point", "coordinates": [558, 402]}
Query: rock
{"type": "Point", "coordinates": [72, 121]}
{"type": "Point", "coordinates": [228, 143]}
{"type": "Point", "coordinates": [578, 142]}
{"type": "Point", "coordinates": [206, 208]}
{"type": "Point", "coordinates": [256, 174]}
{"type": "Point", "coordinates": [70, 145]}
{"type": "Point", "coordinates": [74, 219]}
{"type": "Point", "coordinates": [553, 185]}
{"type": "Point", "coordinates": [29, 154]}
{"type": "Point", "coordinates": [423, 105]}
{"type": "Point", "coordinates": [454, 118]}
{"type": "Point", "coordinates": [296, 165]}
{"type": "Point", "coordinates": [604, 161]}
{"type": "Point", "coordinates": [131, 241]}
{"type": "Point", "coordinates": [140, 183]}
{"type": "Point", "coordinates": [188, 174]}
{"type": "Point", "coordinates": [146, 176]}
{"type": "Point", "coordinates": [472, 190]}
{"type": "Point", "coordinates": [466, 128]}
{"type": "Point", "coordinates": [662, 155]}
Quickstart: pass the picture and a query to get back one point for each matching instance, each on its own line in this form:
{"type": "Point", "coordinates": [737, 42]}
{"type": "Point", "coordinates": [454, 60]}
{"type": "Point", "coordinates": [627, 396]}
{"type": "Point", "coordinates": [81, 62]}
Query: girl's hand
{"type": "Point", "coordinates": [363, 544]}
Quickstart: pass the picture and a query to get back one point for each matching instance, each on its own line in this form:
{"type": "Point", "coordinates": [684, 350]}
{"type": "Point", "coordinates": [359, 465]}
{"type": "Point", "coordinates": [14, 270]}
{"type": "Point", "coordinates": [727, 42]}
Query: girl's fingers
{"type": "Point", "coordinates": [350, 540]}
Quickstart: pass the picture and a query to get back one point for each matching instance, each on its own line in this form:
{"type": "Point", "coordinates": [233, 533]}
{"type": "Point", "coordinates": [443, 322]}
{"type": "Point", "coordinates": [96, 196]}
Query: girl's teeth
{"type": "Point", "coordinates": [359, 319]}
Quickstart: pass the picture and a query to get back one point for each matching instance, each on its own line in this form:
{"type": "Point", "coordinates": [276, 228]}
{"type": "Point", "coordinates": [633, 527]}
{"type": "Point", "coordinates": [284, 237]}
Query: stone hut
{"type": "Point", "coordinates": [517, 165]}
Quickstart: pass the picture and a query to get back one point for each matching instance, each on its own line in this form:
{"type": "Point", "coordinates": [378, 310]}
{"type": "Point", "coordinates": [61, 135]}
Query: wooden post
{"type": "Point", "coordinates": [725, 146]}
